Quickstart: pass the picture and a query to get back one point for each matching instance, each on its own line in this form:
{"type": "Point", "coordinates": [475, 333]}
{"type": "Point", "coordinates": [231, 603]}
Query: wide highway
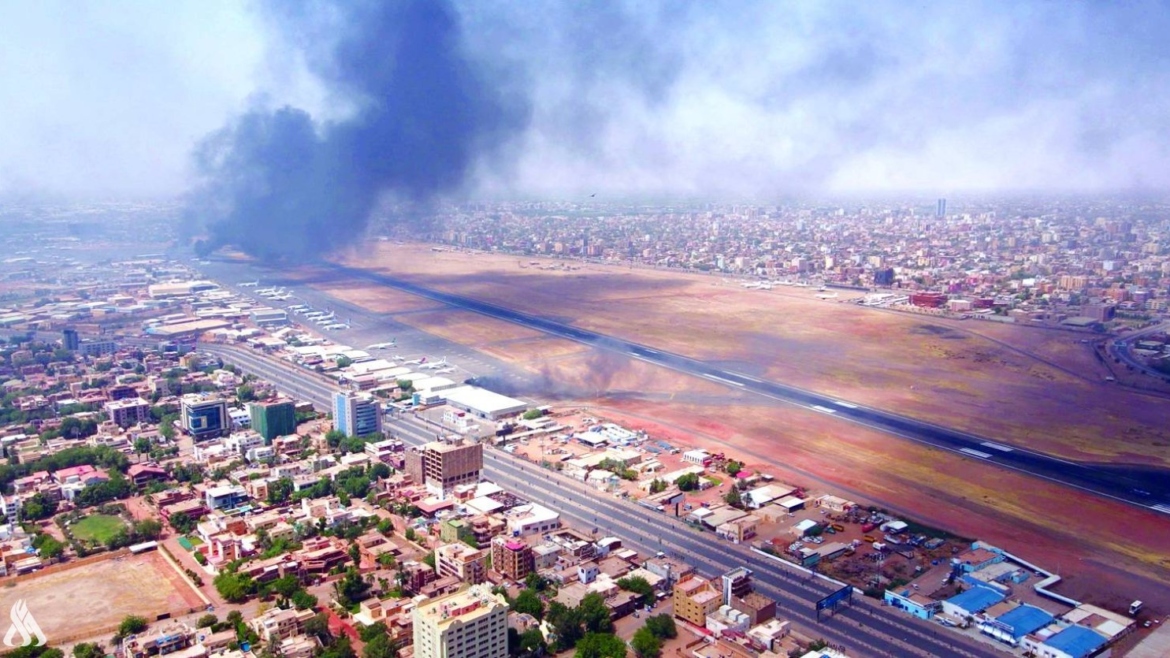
{"type": "Point", "coordinates": [864, 628]}
{"type": "Point", "coordinates": [1145, 487]}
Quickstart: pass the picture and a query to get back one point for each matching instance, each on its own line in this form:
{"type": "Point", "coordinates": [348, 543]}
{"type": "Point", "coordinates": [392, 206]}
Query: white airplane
{"type": "Point", "coordinates": [325, 318]}
{"type": "Point", "coordinates": [398, 357]}
{"type": "Point", "coordinates": [250, 284]}
{"type": "Point", "coordinates": [444, 371]}
{"type": "Point", "coordinates": [435, 365]}
{"type": "Point", "coordinates": [383, 346]}
{"type": "Point", "coordinates": [314, 315]}
{"type": "Point", "coordinates": [271, 293]}
{"type": "Point", "coordinates": [336, 326]}
{"type": "Point", "coordinates": [280, 298]}
{"type": "Point", "coordinates": [297, 307]}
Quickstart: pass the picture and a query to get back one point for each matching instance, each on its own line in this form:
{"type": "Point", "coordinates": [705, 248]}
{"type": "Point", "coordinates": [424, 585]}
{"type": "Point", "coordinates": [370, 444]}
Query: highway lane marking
{"type": "Point", "coordinates": [824, 410]}
{"type": "Point", "coordinates": [1163, 508]}
{"type": "Point", "coordinates": [847, 405]}
{"type": "Point", "coordinates": [975, 453]}
{"type": "Point", "coordinates": [997, 446]}
{"type": "Point", "coordinates": [725, 381]}
{"type": "Point", "coordinates": [750, 379]}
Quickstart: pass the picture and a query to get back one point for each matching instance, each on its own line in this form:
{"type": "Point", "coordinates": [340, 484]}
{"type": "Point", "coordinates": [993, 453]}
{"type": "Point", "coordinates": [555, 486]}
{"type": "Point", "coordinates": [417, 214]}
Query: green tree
{"type": "Point", "coordinates": [528, 601]}
{"type": "Point", "coordinates": [141, 445]}
{"type": "Point", "coordinates": [566, 624]}
{"type": "Point", "coordinates": [688, 482]}
{"type": "Point", "coordinates": [352, 588]}
{"type": "Point", "coordinates": [89, 650]}
{"type": "Point", "coordinates": [246, 393]}
{"type": "Point", "coordinates": [533, 414]}
{"type": "Point", "coordinates": [367, 633]}
{"type": "Point", "coordinates": [233, 587]}
{"type": "Point", "coordinates": [132, 624]}
{"type": "Point", "coordinates": [286, 585]}
{"type": "Point", "coordinates": [280, 491]}
{"type": "Point", "coordinates": [334, 438]}
{"type": "Point", "coordinates": [600, 645]}
{"type": "Point", "coordinates": [532, 642]}
{"type": "Point", "coordinates": [182, 523]}
{"type": "Point", "coordinates": [304, 600]}
{"type": "Point", "coordinates": [207, 621]}
{"type": "Point", "coordinates": [639, 586]}
{"type": "Point", "coordinates": [732, 467]}
{"type": "Point", "coordinates": [147, 529]}
{"type": "Point", "coordinates": [657, 486]}
{"type": "Point", "coordinates": [733, 497]}
{"type": "Point", "coordinates": [49, 547]}
{"type": "Point", "coordinates": [344, 362]}
{"type": "Point", "coordinates": [662, 626]}
{"type": "Point", "coordinates": [37, 507]}
{"type": "Point", "coordinates": [380, 646]}
{"type": "Point", "coordinates": [595, 614]}
{"type": "Point", "coordinates": [645, 644]}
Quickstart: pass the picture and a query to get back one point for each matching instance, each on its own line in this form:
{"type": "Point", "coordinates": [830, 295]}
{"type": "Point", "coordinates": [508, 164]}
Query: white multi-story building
{"type": "Point", "coordinates": [472, 623]}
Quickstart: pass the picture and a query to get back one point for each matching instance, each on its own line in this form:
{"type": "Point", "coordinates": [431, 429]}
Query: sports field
{"type": "Point", "coordinates": [86, 600]}
{"type": "Point", "coordinates": [98, 528]}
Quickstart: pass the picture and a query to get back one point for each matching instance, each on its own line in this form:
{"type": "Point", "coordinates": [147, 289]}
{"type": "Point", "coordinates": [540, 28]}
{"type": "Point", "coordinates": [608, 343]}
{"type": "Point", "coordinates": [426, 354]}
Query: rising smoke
{"type": "Point", "coordinates": [281, 184]}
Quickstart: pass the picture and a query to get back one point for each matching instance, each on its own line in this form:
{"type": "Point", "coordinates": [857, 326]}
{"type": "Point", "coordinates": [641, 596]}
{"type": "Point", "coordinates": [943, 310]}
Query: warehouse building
{"type": "Point", "coordinates": [482, 402]}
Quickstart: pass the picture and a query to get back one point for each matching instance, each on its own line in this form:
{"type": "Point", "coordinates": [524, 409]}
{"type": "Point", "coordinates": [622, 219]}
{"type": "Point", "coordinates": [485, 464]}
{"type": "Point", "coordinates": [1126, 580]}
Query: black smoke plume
{"type": "Point", "coordinates": [280, 184]}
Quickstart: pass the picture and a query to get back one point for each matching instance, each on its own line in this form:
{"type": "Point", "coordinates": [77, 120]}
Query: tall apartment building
{"type": "Point", "coordinates": [472, 623]}
{"type": "Point", "coordinates": [512, 558]}
{"type": "Point", "coordinates": [274, 418]}
{"type": "Point", "coordinates": [462, 561]}
{"type": "Point", "coordinates": [694, 599]}
{"type": "Point", "coordinates": [443, 466]}
{"type": "Point", "coordinates": [129, 411]}
{"type": "Point", "coordinates": [356, 414]}
{"type": "Point", "coordinates": [204, 417]}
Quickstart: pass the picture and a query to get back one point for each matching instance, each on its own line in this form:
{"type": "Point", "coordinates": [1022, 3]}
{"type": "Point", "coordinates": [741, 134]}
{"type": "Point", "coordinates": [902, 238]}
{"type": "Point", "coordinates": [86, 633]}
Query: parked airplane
{"type": "Point", "coordinates": [382, 346]}
{"type": "Point", "coordinates": [435, 365]}
{"type": "Point", "coordinates": [297, 307]}
{"type": "Point", "coordinates": [444, 371]}
{"type": "Point", "coordinates": [336, 326]}
{"type": "Point", "coordinates": [280, 298]}
{"type": "Point", "coordinates": [325, 318]}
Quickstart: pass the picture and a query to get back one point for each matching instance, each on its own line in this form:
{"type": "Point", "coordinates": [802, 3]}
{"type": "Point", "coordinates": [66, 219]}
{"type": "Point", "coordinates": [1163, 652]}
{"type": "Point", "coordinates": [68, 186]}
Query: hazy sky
{"type": "Point", "coordinates": [735, 98]}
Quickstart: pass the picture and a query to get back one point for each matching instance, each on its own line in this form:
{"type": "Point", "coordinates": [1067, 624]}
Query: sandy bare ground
{"type": "Point", "coordinates": [83, 601]}
{"type": "Point", "coordinates": [1026, 386]}
{"type": "Point", "coordinates": [1021, 385]}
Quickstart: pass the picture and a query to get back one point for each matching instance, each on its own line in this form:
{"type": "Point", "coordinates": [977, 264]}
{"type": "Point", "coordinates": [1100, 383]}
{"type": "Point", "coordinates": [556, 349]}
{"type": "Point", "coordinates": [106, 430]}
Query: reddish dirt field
{"type": "Point", "coordinates": [1025, 386]}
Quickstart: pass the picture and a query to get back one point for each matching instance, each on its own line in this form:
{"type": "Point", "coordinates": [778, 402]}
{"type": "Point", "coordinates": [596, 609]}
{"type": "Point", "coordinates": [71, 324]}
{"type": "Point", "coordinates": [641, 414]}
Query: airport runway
{"type": "Point", "coordinates": [1144, 487]}
{"type": "Point", "coordinates": [863, 628]}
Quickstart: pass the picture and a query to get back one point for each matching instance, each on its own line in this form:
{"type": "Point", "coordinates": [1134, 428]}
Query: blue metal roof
{"type": "Point", "coordinates": [1076, 641]}
{"type": "Point", "coordinates": [1025, 619]}
{"type": "Point", "coordinates": [976, 599]}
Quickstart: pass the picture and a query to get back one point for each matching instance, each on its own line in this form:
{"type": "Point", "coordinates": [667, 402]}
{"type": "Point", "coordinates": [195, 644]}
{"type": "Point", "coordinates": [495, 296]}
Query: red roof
{"type": "Point", "coordinates": [142, 469]}
{"type": "Point", "coordinates": [73, 471]}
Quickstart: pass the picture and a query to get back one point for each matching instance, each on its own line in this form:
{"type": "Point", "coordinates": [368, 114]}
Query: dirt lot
{"type": "Point", "coordinates": [83, 601]}
{"type": "Point", "coordinates": [1027, 386]}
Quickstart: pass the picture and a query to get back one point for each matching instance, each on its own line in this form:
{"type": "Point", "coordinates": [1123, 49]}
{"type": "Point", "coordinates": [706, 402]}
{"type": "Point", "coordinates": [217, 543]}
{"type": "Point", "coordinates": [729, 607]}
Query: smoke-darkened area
{"type": "Point", "coordinates": [420, 114]}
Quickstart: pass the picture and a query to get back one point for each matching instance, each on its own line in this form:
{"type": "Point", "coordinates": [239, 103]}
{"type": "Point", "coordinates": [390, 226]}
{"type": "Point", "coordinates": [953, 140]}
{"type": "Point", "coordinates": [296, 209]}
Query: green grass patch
{"type": "Point", "coordinates": [98, 528]}
{"type": "Point", "coordinates": [713, 480]}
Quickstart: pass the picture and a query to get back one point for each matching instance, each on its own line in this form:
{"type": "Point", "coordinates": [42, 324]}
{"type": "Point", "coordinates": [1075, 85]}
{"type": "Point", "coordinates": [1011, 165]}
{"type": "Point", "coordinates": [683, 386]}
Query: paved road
{"type": "Point", "coordinates": [1121, 350]}
{"type": "Point", "coordinates": [1146, 487]}
{"type": "Point", "coordinates": [864, 628]}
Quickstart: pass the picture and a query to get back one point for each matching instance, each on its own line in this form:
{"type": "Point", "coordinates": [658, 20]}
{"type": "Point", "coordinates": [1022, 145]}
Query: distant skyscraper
{"type": "Point", "coordinates": [941, 211]}
{"type": "Point", "coordinates": [273, 419]}
{"type": "Point", "coordinates": [69, 340]}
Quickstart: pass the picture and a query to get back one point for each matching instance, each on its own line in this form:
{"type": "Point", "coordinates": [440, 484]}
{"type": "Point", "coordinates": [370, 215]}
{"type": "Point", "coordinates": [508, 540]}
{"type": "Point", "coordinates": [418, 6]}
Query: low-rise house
{"type": "Point", "coordinates": [278, 624]}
